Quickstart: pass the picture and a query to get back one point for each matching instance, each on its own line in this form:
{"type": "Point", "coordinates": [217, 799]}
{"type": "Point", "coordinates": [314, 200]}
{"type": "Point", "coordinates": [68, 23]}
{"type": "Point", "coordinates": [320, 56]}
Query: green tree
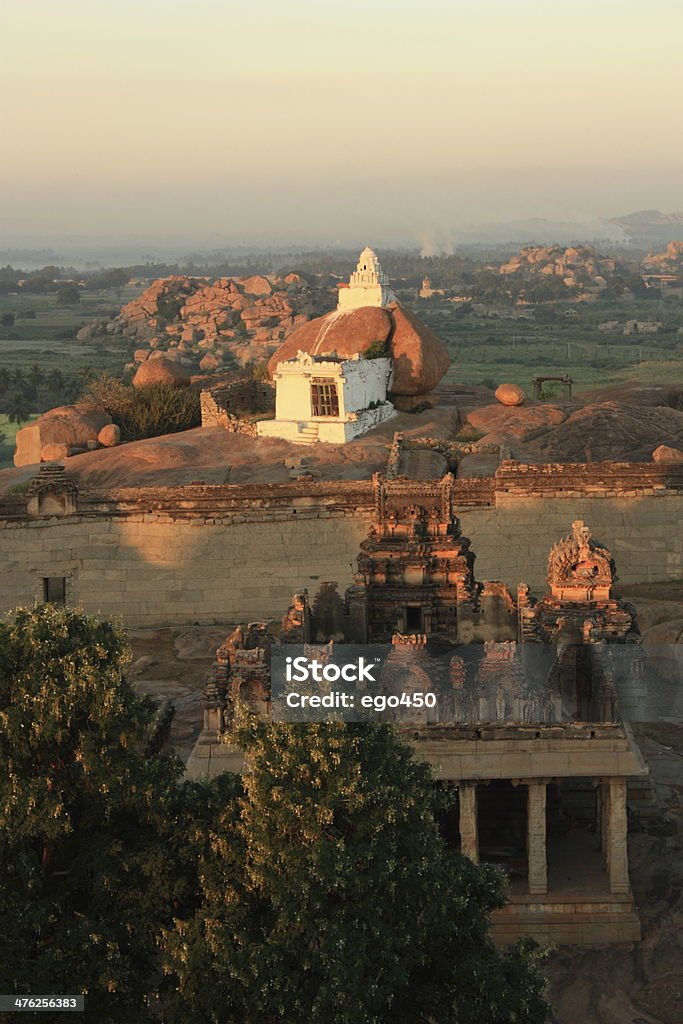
{"type": "Point", "coordinates": [88, 869]}
{"type": "Point", "coordinates": [35, 376]}
{"type": "Point", "coordinates": [18, 408]}
{"type": "Point", "coordinates": [55, 380]}
{"type": "Point", "coordinates": [329, 895]}
{"type": "Point", "coordinates": [115, 277]}
{"type": "Point", "coordinates": [68, 295]}
{"type": "Point", "coordinates": [5, 378]}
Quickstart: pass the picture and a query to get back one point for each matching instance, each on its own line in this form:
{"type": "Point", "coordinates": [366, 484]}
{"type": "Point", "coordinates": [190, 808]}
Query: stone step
{"type": "Point", "coordinates": [308, 435]}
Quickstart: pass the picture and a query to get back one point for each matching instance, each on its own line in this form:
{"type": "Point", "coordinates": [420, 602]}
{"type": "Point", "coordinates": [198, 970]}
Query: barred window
{"type": "Point", "coordinates": [324, 398]}
{"type": "Point", "coordinates": [54, 590]}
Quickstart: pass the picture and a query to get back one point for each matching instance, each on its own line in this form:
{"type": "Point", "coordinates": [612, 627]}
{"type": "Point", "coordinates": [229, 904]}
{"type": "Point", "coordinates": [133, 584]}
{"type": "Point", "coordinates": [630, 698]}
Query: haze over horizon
{"type": "Point", "coordinates": [216, 124]}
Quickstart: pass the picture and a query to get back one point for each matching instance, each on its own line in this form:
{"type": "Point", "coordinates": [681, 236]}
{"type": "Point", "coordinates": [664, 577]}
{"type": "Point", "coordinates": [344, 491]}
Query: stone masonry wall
{"type": "Point", "coordinates": [236, 405]}
{"type": "Point", "coordinates": [227, 554]}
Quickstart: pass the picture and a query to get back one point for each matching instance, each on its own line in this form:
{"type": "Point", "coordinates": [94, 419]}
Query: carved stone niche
{"type": "Point", "coordinates": [51, 492]}
{"type": "Point", "coordinates": [579, 569]}
{"type": "Point", "coordinates": [498, 612]}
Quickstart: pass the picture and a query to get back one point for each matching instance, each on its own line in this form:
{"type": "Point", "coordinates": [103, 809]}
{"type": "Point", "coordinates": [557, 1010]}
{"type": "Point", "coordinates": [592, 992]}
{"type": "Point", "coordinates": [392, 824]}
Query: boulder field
{"type": "Point", "coordinates": [232, 319]}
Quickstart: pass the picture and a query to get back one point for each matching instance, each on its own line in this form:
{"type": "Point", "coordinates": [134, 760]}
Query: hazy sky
{"type": "Point", "coordinates": [334, 119]}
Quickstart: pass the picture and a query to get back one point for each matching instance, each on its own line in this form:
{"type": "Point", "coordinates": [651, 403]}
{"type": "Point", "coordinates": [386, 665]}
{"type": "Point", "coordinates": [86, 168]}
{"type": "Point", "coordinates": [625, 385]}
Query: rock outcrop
{"type": "Point", "coordinates": [606, 431]}
{"type": "Point", "coordinates": [579, 266]}
{"type": "Point", "coordinates": [669, 261]}
{"type": "Point", "coordinates": [501, 424]}
{"type": "Point", "coordinates": [420, 358]}
{"type": "Point", "coordinates": [235, 319]}
{"type": "Point", "coordinates": [69, 427]}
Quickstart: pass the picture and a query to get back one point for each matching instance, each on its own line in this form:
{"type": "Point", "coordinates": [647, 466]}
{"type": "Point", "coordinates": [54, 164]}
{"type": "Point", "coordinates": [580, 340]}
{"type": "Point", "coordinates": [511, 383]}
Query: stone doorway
{"type": "Point", "coordinates": [414, 618]}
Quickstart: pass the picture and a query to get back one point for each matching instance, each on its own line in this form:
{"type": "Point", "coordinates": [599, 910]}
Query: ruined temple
{"type": "Point", "coordinates": [415, 569]}
{"type": "Point", "coordinates": [526, 727]}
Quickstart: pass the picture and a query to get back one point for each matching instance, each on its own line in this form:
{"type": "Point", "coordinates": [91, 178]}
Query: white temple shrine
{"type": "Point", "coordinates": [327, 397]}
{"type": "Point", "coordinates": [368, 285]}
{"type": "Point", "coordinates": [320, 398]}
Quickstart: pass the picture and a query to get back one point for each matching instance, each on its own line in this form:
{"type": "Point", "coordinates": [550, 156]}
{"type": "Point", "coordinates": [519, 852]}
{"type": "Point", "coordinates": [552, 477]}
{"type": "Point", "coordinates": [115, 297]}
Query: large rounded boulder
{"type": "Point", "coordinates": [420, 358]}
{"type": "Point", "coordinates": [109, 436]}
{"type": "Point", "coordinates": [161, 371]}
{"type": "Point", "coordinates": [343, 334]}
{"type": "Point", "coordinates": [71, 427]}
{"type": "Point", "coordinates": [510, 394]}
{"type": "Point", "coordinates": [666, 454]}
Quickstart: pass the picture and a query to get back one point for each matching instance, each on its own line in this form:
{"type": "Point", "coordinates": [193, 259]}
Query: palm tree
{"type": "Point", "coordinates": [18, 378]}
{"type": "Point", "coordinates": [18, 410]}
{"type": "Point", "coordinates": [5, 378]}
{"type": "Point", "coordinates": [35, 376]}
{"type": "Point", "coordinates": [55, 381]}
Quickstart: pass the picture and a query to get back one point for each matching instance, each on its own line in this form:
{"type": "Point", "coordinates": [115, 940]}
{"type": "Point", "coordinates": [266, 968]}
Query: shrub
{"type": "Point", "coordinates": [674, 399]}
{"type": "Point", "coordinates": [376, 350]}
{"type": "Point", "coordinates": [259, 371]}
{"type": "Point", "coordinates": [144, 412]}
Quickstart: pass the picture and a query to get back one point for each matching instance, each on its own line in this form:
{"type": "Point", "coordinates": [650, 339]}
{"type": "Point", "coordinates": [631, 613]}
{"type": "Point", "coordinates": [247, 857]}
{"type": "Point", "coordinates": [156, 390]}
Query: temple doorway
{"type": "Point", "coordinates": [413, 618]}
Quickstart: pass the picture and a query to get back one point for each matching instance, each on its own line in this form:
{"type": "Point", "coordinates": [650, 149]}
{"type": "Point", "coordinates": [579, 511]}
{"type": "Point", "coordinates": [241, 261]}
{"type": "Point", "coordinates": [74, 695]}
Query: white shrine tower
{"type": "Point", "coordinates": [368, 285]}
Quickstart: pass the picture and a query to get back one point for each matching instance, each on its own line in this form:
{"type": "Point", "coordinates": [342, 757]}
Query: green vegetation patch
{"type": "Point", "coordinates": [144, 412]}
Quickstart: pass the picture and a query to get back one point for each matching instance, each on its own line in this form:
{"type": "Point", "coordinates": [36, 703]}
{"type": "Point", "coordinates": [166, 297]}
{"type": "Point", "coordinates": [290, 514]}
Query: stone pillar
{"type": "Point", "coordinates": [469, 840]}
{"type": "Point", "coordinates": [617, 827]}
{"type": "Point", "coordinates": [603, 808]}
{"type": "Point", "coordinates": [536, 837]}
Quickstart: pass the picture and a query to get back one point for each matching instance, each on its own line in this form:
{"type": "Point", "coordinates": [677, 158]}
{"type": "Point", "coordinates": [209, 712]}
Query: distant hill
{"type": "Point", "coordinates": [651, 226]}
{"type": "Point", "coordinates": [540, 231]}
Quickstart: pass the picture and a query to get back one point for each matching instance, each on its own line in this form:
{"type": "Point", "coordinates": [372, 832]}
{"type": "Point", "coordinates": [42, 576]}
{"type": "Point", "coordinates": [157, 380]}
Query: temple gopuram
{"type": "Point", "coordinates": [529, 729]}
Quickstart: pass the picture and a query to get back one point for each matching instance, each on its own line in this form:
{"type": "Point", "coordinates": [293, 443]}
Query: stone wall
{"type": "Point", "coordinates": [228, 553]}
{"type": "Point", "coordinates": [235, 406]}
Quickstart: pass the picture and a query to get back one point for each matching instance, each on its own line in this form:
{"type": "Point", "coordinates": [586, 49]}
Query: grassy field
{"type": "Point", "coordinates": [48, 340]}
{"type": "Point", "coordinates": [494, 350]}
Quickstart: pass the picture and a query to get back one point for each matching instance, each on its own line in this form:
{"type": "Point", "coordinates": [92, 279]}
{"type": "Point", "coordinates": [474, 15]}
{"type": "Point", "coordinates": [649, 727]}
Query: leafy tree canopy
{"type": "Point", "coordinates": [329, 895]}
{"type": "Point", "coordinates": [88, 872]}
